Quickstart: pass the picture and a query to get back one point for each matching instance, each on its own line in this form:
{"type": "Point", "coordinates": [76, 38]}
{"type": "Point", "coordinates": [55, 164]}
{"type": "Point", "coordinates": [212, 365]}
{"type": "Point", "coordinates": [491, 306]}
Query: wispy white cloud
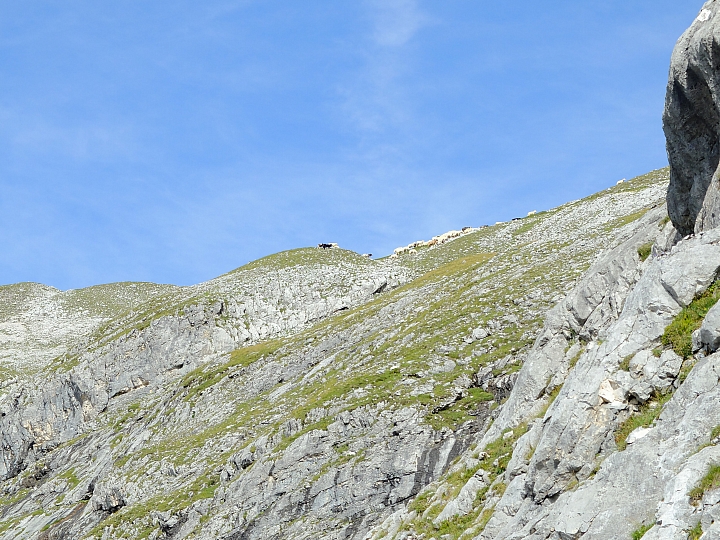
{"type": "Point", "coordinates": [375, 98]}
{"type": "Point", "coordinates": [396, 21]}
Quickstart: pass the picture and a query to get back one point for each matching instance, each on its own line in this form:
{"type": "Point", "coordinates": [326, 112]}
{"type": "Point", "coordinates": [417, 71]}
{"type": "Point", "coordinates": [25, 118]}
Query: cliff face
{"type": "Point", "coordinates": [692, 125]}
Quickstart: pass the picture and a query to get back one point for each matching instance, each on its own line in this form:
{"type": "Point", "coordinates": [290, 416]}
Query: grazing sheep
{"type": "Point", "coordinates": [367, 255]}
{"type": "Point", "coordinates": [413, 251]}
{"type": "Point", "coordinates": [532, 212]}
{"type": "Point", "coordinates": [400, 250]}
{"type": "Point", "coordinates": [620, 182]}
{"type": "Point", "coordinates": [394, 256]}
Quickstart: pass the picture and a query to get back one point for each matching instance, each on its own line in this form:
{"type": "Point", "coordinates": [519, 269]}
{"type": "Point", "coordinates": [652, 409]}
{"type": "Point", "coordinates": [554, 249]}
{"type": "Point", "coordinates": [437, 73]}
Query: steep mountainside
{"type": "Point", "coordinates": [315, 393]}
{"type": "Point", "coordinates": [555, 377]}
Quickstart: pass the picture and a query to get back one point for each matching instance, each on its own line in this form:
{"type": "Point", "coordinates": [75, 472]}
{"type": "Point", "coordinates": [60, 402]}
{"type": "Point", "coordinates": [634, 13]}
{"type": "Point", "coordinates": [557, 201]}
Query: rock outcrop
{"type": "Point", "coordinates": [692, 125]}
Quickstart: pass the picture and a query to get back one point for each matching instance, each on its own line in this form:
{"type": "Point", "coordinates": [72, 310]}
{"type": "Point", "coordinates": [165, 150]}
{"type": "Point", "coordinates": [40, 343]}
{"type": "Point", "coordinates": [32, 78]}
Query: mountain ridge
{"type": "Point", "coordinates": [431, 343]}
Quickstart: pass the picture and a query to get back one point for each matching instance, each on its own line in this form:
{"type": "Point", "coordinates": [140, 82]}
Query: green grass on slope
{"type": "Point", "coordinates": [206, 376]}
{"type": "Point", "coordinates": [172, 302]}
{"type": "Point", "coordinates": [647, 414]}
{"type": "Point", "coordinates": [640, 531]}
{"type": "Point", "coordinates": [305, 257]}
{"type": "Point", "coordinates": [15, 298]}
{"type": "Point", "coordinates": [112, 299]}
{"type": "Point", "coordinates": [710, 481]}
{"type": "Point", "coordinates": [678, 334]}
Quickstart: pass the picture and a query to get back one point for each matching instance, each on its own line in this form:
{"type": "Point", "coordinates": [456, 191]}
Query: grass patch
{"type": "Point", "coordinates": [494, 460]}
{"type": "Point", "coordinates": [625, 363]}
{"type": "Point", "coordinates": [71, 477]}
{"type": "Point", "coordinates": [678, 334]}
{"type": "Point", "coordinates": [643, 418]}
{"type": "Point", "coordinates": [640, 531]}
{"type": "Point", "coordinates": [138, 518]}
{"type": "Point", "coordinates": [696, 532]}
{"type": "Point", "coordinates": [204, 377]}
{"type": "Point", "coordinates": [644, 251]}
{"type": "Point", "coordinates": [459, 265]}
{"type": "Point", "coordinates": [625, 220]}
{"type": "Point", "coordinates": [574, 359]}
{"type": "Point", "coordinates": [711, 480]}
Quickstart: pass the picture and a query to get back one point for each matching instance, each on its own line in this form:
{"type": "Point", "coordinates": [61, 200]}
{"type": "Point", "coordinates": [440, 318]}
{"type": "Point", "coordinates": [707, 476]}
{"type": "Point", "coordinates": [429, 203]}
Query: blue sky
{"type": "Point", "coordinates": [175, 141]}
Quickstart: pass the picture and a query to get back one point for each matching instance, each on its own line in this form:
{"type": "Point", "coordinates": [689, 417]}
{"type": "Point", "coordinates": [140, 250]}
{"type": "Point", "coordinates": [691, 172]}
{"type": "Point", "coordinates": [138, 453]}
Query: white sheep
{"type": "Point", "coordinates": [532, 212]}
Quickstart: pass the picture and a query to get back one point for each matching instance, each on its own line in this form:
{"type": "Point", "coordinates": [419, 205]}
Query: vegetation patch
{"type": "Point", "coordinates": [640, 531]}
{"type": "Point", "coordinates": [204, 377]}
{"type": "Point", "coordinates": [678, 334]}
{"type": "Point", "coordinates": [647, 414]}
{"type": "Point", "coordinates": [710, 481]}
{"type": "Point", "coordinates": [494, 460]}
{"type": "Point", "coordinates": [696, 532]}
{"type": "Point", "coordinates": [644, 251]}
{"type": "Point", "coordinates": [135, 522]}
{"type": "Point", "coordinates": [625, 220]}
{"type": "Point", "coordinates": [574, 360]}
{"type": "Point", "coordinates": [625, 363]}
{"type": "Point", "coordinates": [71, 477]}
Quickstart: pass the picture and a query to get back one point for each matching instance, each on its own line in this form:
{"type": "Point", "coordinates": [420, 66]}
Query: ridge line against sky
{"type": "Point", "coordinates": [174, 142]}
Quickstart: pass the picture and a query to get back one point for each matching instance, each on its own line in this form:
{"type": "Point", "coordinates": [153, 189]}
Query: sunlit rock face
{"type": "Point", "coordinates": [692, 125]}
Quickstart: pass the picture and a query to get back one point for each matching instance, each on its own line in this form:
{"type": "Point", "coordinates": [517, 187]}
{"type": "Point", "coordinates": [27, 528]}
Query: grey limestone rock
{"type": "Point", "coordinates": [708, 337]}
{"type": "Point", "coordinates": [642, 483]}
{"type": "Point", "coordinates": [592, 306]}
{"type": "Point", "coordinates": [692, 125]}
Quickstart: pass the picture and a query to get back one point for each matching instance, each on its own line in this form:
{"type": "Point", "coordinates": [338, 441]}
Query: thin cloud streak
{"type": "Point", "coordinates": [396, 21]}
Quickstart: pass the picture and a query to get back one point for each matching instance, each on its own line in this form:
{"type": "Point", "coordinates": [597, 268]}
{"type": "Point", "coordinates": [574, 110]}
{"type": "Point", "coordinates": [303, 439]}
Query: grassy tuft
{"type": "Point", "coordinates": [625, 363]}
{"type": "Point", "coordinates": [644, 251]}
{"type": "Point", "coordinates": [696, 532]}
{"type": "Point", "coordinates": [678, 334]}
{"type": "Point", "coordinates": [640, 531]}
{"type": "Point", "coordinates": [643, 418]}
{"type": "Point", "coordinates": [711, 480]}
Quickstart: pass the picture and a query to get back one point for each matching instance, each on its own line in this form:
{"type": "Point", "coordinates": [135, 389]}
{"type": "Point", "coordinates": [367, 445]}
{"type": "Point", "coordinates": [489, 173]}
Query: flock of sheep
{"type": "Point", "coordinates": [411, 249]}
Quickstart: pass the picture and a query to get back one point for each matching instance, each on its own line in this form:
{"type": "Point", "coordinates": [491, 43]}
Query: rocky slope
{"type": "Point", "coordinates": [314, 393]}
{"type": "Point", "coordinates": [554, 377]}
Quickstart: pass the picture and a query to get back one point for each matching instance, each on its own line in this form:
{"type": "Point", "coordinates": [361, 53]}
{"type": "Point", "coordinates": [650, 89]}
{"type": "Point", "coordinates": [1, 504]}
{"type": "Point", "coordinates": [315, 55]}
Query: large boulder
{"type": "Point", "coordinates": [691, 122]}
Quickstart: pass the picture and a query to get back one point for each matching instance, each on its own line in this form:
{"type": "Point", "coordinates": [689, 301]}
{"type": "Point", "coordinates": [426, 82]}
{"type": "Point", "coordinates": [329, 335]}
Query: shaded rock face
{"type": "Point", "coordinates": [691, 122]}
